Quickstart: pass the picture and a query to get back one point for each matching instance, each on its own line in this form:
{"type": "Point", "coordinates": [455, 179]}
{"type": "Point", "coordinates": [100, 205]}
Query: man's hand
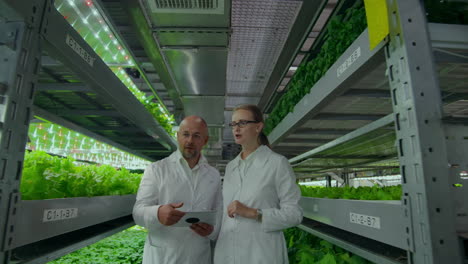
{"type": "Point", "coordinates": [238, 208]}
{"type": "Point", "coordinates": [202, 229]}
{"type": "Point", "coordinates": [168, 215]}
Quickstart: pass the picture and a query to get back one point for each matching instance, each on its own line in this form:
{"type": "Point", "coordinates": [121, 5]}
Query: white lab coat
{"type": "Point", "coordinates": [268, 184]}
{"type": "Point", "coordinates": [164, 182]}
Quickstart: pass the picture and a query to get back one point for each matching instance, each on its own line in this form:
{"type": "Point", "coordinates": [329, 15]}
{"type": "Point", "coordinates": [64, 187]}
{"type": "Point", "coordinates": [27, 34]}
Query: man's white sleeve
{"type": "Point", "coordinates": [145, 210]}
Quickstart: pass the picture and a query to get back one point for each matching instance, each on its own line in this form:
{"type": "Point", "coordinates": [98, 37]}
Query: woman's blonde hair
{"type": "Point", "coordinates": [257, 116]}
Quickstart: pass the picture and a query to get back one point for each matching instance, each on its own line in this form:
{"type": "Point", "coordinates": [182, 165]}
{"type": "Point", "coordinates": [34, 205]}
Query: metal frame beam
{"type": "Point", "coordinates": [420, 139]}
{"type": "Point", "coordinates": [369, 249]}
{"type": "Point", "coordinates": [19, 66]}
{"type": "Point", "coordinates": [313, 131]}
{"type": "Point", "coordinates": [343, 116]}
{"type": "Point", "coordinates": [64, 87]}
{"type": "Point", "coordinates": [387, 120]}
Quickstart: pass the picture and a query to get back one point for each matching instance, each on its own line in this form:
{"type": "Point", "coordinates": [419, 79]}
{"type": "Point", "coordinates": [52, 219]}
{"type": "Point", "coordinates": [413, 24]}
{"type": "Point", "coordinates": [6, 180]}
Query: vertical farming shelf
{"type": "Point", "coordinates": [103, 107]}
{"type": "Point", "coordinates": [397, 105]}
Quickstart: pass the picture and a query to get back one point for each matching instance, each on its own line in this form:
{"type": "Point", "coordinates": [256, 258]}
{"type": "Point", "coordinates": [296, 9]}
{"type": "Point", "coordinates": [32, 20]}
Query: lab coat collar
{"type": "Point", "coordinates": [262, 154]}
{"type": "Point", "coordinates": [176, 156]}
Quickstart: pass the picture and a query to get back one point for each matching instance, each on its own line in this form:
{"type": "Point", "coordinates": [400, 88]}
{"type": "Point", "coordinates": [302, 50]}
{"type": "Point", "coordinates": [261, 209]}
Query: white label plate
{"type": "Point", "coordinates": [348, 62]}
{"type": "Point", "coordinates": [71, 42]}
{"type": "Point", "coordinates": [365, 220]}
{"type": "Point", "coordinates": [59, 214]}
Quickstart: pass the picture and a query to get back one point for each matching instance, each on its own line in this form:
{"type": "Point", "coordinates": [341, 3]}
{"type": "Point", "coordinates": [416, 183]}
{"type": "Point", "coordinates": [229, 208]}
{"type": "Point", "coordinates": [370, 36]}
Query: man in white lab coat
{"type": "Point", "coordinates": [179, 183]}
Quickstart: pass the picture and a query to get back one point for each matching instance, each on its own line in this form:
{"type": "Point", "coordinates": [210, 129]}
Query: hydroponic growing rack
{"type": "Point", "coordinates": [104, 109]}
{"type": "Point", "coordinates": [396, 106]}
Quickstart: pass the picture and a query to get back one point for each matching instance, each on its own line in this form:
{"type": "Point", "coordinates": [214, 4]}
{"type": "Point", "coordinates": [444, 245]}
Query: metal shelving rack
{"type": "Point", "coordinates": [39, 231]}
{"type": "Point", "coordinates": [393, 93]}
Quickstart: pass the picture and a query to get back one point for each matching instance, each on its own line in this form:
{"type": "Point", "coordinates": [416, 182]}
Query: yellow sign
{"type": "Point", "coordinates": [377, 21]}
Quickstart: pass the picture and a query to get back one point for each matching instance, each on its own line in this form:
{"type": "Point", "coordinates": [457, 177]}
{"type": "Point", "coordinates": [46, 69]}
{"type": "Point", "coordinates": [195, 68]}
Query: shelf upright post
{"type": "Point", "coordinates": [420, 139]}
{"type": "Point", "coordinates": [345, 177]}
{"type": "Point", "coordinates": [19, 65]}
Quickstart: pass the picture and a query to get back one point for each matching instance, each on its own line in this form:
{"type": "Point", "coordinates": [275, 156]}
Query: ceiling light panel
{"type": "Point", "coordinates": [86, 19]}
{"type": "Point", "coordinates": [259, 31]}
{"type": "Point", "coordinates": [264, 13]}
{"type": "Point", "coordinates": [254, 52]}
{"type": "Point", "coordinates": [335, 124]}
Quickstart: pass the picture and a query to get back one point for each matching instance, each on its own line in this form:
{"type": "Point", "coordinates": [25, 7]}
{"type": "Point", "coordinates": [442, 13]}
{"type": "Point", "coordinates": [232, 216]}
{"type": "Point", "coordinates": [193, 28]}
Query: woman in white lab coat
{"type": "Point", "coordinates": [260, 197]}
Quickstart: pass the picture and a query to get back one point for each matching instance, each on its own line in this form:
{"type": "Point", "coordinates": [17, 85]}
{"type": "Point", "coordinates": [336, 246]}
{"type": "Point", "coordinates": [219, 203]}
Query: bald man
{"type": "Point", "coordinates": [170, 187]}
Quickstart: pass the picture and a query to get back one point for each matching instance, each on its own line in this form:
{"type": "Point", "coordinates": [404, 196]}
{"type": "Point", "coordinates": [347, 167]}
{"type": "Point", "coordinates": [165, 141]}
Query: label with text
{"type": "Point", "coordinates": [348, 62]}
{"type": "Point", "coordinates": [365, 220]}
{"type": "Point", "coordinates": [72, 43]}
{"type": "Point", "coordinates": [59, 214]}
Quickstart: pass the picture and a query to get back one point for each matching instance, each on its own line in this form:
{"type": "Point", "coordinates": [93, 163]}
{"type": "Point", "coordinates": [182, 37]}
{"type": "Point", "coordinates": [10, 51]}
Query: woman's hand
{"type": "Point", "coordinates": [202, 229]}
{"type": "Point", "coordinates": [238, 208]}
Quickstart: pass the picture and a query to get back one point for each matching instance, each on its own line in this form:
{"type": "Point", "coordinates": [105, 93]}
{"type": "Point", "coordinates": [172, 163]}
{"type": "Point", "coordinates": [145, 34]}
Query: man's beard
{"type": "Point", "coordinates": [189, 154]}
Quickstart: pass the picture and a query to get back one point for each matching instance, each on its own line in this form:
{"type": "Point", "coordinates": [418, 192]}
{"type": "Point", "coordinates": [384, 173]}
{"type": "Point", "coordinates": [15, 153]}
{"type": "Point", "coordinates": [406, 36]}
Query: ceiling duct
{"type": "Point", "coordinates": [187, 6]}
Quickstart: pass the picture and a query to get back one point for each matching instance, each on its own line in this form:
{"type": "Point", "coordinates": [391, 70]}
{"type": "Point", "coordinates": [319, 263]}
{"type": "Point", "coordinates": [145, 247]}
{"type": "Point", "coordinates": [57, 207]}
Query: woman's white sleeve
{"type": "Point", "coordinates": [289, 213]}
{"type": "Point", "coordinates": [219, 216]}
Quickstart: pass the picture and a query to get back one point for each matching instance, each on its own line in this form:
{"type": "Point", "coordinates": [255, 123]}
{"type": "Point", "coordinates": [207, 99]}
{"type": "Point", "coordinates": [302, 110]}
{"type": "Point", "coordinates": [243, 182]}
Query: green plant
{"type": "Point", "coordinates": [125, 247]}
{"type": "Point", "coordinates": [359, 193]}
{"type": "Point", "coordinates": [49, 177]}
{"type": "Point", "coordinates": [304, 248]}
{"type": "Point", "coordinates": [341, 32]}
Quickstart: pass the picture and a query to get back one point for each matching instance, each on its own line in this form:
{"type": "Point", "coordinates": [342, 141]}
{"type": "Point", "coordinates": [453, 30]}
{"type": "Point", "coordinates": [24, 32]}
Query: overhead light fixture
{"type": "Point", "coordinates": [87, 19]}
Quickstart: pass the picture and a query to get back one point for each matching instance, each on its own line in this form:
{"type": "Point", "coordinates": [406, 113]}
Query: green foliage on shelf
{"type": "Point", "coordinates": [304, 248]}
{"type": "Point", "coordinates": [359, 193]}
{"type": "Point", "coordinates": [88, 20]}
{"type": "Point", "coordinates": [340, 35]}
{"type": "Point", "coordinates": [51, 177]}
{"type": "Point", "coordinates": [125, 247]}
{"type": "Point", "coordinates": [164, 119]}
{"type": "Point", "coordinates": [156, 109]}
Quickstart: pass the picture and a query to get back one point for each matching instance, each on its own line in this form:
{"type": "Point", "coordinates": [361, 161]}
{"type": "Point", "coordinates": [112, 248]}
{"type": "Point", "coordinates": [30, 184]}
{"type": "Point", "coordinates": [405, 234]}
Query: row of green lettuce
{"type": "Point", "coordinates": [164, 118]}
{"type": "Point", "coordinates": [340, 35]}
{"type": "Point", "coordinates": [341, 32]}
{"type": "Point", "coordinates": [127, 246]}
{"type": "Point", "coordinates": [50, 177]}
{"type": "Point", "coordinates": [304, 248]}
{"type": "Point", "coordinates": [352, 193]}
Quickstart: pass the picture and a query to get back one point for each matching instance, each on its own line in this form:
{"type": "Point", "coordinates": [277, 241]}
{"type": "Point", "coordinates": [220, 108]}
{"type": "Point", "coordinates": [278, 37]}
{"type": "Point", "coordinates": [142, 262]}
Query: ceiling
{"type": "Point", "coordinates": [259, 32]}
{"type": "Point", "coordinates": [217, 54]}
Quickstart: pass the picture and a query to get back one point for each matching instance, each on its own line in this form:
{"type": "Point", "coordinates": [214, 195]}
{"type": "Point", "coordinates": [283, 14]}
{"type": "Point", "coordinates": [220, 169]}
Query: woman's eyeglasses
{"type": "Point", "coordinates": [242, 123]}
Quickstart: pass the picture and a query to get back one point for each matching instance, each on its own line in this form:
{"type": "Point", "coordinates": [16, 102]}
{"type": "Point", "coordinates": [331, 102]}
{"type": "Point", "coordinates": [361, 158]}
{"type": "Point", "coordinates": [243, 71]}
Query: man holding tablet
{"type": "Point", "coordinates": [176, 195]}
